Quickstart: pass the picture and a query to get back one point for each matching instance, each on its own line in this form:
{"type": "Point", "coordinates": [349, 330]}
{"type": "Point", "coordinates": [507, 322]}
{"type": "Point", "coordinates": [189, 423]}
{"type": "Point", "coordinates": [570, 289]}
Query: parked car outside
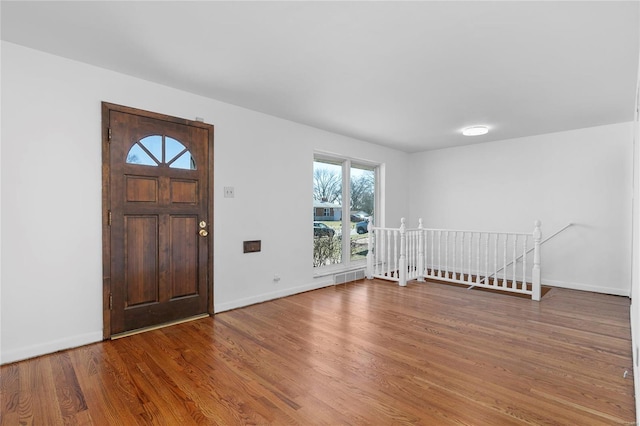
{"type": "Point", "coordinates": [362, 227]}
{"type": "Point", "coordinates": [322, 230]}
{"type": "Point", "coordinates": [359, 216]}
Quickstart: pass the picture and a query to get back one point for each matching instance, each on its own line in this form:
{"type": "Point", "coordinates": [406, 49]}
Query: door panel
{"type": "Point", "coordinates": [157, 179]}
{"type": "Point", "coordinates": [184, 256]}
{"type": "Point", "coordinates": [141, 260]}
{"type": "Point", "coordinates": [141, 189]}
{"type": "Point", "coordinates": [183, 191]}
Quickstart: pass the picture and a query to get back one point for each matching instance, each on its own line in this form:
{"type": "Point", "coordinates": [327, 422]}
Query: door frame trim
{"type": "Point", "coordinates": [106, 207]}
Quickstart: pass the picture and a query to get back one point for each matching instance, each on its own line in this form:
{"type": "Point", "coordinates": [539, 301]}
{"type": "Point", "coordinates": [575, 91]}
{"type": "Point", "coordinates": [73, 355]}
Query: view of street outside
{"type": "Point", "coordinates": [330, 211]}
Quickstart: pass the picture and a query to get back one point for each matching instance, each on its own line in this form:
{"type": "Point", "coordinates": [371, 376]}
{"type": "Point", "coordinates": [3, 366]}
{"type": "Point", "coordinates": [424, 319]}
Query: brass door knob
{"type": "Point", "coordinates": [203, 233]}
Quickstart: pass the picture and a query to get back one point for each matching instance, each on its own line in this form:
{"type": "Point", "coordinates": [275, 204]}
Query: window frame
{"type": "Point", "coordinates": [346, 163]}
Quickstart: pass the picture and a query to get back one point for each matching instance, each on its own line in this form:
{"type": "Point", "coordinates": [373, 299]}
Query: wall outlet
{"type": "Point", "coordinates": [229, 192]}
{"type": "Point", "coordinates": [276, 277]}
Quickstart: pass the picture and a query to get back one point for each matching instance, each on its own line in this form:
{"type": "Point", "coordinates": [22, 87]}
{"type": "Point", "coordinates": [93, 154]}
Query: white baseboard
{"type": "Point", "coordinates": [49, 347]}
{"type": "Point", "coordinates": [587, 287]}
{"type": "Point", "coordinates": [240, 303]}
{"type": "Point", "coordinates": [565, 284]}
{"type": "Point", "coordinates": [635, 355]}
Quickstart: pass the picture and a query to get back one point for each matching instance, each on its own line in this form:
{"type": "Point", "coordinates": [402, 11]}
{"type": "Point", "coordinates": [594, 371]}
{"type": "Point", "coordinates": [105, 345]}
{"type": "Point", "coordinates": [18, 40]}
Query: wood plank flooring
{"type": "Point", "coordinates": [365, 353]}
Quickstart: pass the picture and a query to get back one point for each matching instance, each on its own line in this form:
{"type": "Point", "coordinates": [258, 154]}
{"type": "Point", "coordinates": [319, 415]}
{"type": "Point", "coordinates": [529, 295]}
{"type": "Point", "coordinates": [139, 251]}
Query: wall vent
{"type": "Point", "coordinates": [345, 277]}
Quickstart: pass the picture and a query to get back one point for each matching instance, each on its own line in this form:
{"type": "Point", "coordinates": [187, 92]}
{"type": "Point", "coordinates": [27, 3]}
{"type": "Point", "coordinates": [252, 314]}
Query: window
{"type": "Point", "coordinates": [344, 197]}
{"type": "Point", "coordinates": [156, 150]}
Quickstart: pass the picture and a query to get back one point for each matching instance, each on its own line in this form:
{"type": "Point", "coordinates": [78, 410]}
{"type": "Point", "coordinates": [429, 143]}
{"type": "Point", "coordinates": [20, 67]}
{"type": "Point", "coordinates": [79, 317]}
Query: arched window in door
{"type": "Point", "coordinates": [159, 150]}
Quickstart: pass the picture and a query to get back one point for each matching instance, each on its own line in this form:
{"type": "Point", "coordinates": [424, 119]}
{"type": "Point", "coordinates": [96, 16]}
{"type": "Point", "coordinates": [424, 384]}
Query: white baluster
{"type": "Point", "coordinates": [427, 253]}
{"type": "Point", "coordinates": [379, 266]}
{"type": "Point", "coordinates": [414, 254]}
{"type": "Point", "coordinates": [409, 253]}
{"type": "Point", "coordinates": [486, 260]}
{"type": "Point", "coordinates": [504, 257]}
{"type": "Point", "coordinates": [462, 253]}
{"type": "Point", "coordinates": [446, 254]}
{"type": "Point", "coordinates": [524, 262]}
{"type": "Point", "coordinates": [478, 258]}
{"type": "Point", "coordinates": [440, 254]}
{"type": "Point", "coordinates": [495, 262]}
{"type": "Point", "coordinates": [408, 238]}
{"type": "Point", "coordinates": [469, 276]}
{"type": "Point", "coordinates": [385, 252]}
{"type": "Point", "coordinates": [385, 258]}
{"type": "Point", "coordinates": [403, 259]}
{"type": "Point", "coordinates": [389, 253]}
{"type": "Point", "coordinates": [434, 254]}
{"type": "Point", "coordinates": [394, 264]}
{"type": "Point", "coordinates": [376, 252]}
{"type": "Point", "coordinates": [457, 274]}
{"type": "Point", "coordinates": [382, 253]}
{"type": "Point", "coordinates": [453, 260]}
{"type": "Point", "coordinates": [369, 249]}
{"type": "Point", "coordinates": [432, 265]}
{"type": "Point", "coordinates": [514, 281]}
{"type": "Point", "coordinates": [421, 242]}
{"type": "Point", "coordinates": [536, 286]}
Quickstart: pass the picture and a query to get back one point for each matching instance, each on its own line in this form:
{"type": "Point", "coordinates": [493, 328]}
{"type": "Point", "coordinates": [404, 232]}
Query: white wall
{"type": "Point", "coordinates": [635, 275]}
{"type": "Point", "coordinates": [51, 277]}
{"type": "Point", "coordinates": [0, 214]}
{"type": "Point", "coordinates": [582, 176]}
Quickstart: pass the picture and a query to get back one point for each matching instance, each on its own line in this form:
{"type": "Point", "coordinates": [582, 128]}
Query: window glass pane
{"type": "Point", "coordinates": [172, 149]}
{"type": "Point", "coordinates": [137, 155]}
{"type": "Point", "coordinates": [327, 213]}
{"type": "Point", "coordinates": [185, 161]}
{"type": "Point", "coordinates": [154, 145]}
{"type": "Point", "coordinates": [363, 188]}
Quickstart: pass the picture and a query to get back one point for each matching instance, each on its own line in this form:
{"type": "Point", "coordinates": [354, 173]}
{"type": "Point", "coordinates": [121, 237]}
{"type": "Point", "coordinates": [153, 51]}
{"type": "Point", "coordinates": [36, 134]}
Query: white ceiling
{"type": "Point", "coordinates": [409, 75]}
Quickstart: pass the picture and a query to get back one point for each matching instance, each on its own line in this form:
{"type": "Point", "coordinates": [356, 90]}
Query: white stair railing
{"type": "Point", "coordinates": [496, 260]}
{"type": "Point", "coordinates": [523, 256]}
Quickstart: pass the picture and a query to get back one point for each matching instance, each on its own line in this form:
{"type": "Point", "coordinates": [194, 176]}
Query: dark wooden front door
{"type": "Point", "coordinates": [157, 174]}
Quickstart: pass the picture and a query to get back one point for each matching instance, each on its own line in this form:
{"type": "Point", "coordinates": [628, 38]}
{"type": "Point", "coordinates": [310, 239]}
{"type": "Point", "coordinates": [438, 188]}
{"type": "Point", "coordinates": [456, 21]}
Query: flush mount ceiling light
{"type": "Point", "coordinates": [475, 130]}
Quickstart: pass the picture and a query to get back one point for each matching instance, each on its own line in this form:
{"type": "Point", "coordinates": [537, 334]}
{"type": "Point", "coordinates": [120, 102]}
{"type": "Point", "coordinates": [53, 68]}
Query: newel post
{"type": "Point", "coordinates": [369, 249]}
{"type": "Point", "coordinates": [421, 271]}
{"type": "Point", "coordinates": [535, 279]}
{"type": "Point", "coordinates": [403, 255]}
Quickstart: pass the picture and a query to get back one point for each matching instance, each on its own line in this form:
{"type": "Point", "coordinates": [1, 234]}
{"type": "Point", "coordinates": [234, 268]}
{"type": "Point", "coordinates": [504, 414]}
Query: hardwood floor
{"type": "Point", "coordinates": [366, 353]}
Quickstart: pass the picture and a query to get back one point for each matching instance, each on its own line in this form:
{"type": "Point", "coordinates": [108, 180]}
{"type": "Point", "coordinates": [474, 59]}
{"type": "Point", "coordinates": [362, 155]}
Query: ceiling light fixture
{"type": "Point", "coordinates": [475, 130]}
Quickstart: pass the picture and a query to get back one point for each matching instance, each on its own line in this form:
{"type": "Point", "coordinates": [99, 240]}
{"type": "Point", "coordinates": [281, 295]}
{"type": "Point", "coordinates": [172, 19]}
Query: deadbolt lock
{"type": "Point", "coordinates": [203, 224]}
